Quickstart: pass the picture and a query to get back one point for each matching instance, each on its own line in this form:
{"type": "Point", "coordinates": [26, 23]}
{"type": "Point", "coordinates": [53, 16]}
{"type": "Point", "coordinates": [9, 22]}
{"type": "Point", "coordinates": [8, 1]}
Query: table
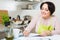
{"type": "Point", "coordinates": [30, 37]}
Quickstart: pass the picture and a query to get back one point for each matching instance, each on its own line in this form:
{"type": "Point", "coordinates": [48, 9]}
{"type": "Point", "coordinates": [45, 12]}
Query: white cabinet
{"type": "Point", "coordinates": [27, 0]}
{"type": "Point", "coordinates": [26, 4]}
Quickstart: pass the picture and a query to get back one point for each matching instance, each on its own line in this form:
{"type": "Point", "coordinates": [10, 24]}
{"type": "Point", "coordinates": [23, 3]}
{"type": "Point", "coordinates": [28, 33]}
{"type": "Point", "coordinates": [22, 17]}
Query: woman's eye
{"type": "Point", "coordinates": [47, 10]}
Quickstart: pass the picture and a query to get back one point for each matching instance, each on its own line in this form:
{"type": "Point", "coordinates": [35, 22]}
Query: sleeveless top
{"type": "Point", "coordinates": [43, 27]}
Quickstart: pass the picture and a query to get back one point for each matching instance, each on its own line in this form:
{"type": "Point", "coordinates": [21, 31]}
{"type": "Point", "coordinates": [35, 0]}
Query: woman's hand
{"type": "Point", "coordinates": [45, 33]}
{"type": "Point", "coordinates": [25, 33]}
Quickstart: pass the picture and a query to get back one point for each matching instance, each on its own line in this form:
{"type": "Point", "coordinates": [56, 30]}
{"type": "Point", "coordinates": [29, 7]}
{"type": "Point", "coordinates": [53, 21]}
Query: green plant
{"type": "Point", "coordinates": [5, 18]}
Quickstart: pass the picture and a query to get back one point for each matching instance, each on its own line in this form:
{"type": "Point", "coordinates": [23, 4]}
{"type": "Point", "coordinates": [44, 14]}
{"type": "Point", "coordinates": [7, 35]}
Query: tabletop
{"type": "Point", "coordinates": [33, 36]}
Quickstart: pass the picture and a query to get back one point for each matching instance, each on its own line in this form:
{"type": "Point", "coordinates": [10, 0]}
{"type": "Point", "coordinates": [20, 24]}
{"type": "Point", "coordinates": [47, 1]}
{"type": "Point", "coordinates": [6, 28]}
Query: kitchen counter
{"type": "Point", "coordinates": [31, 37]}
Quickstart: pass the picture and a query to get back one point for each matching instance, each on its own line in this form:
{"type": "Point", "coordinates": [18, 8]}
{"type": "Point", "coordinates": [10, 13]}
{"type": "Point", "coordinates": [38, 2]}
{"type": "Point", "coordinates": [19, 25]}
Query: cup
{"type": "Point", "coordinates": [16, 32]}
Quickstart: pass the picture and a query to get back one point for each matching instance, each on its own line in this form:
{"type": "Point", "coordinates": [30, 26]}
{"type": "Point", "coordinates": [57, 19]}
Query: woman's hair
{"type": "Point", "coordinates": [51, 6]}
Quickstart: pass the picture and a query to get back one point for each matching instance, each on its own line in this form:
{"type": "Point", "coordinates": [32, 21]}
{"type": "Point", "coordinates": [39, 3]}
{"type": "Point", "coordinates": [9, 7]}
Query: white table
{"type": "Point", "coordinates": [30, 37]}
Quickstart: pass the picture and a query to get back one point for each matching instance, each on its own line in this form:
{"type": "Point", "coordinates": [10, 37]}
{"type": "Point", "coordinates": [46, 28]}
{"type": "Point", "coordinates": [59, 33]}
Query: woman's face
{"type": "Point", "coordinates": [45, 13]}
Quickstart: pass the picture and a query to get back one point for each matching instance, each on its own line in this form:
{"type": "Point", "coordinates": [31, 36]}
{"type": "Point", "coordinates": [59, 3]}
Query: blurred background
{"type": "Point", "coordinates": [20, 12]}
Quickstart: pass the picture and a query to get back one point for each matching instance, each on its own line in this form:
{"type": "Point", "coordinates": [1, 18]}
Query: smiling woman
{"type": "Point", "coordinates": [45, 24]}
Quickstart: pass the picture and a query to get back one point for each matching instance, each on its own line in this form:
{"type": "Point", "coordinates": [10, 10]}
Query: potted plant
{"type": "Point", "coordinates": [5, 19]}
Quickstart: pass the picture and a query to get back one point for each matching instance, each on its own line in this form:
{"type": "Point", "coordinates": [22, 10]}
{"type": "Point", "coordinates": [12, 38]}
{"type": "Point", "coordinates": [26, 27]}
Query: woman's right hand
{"type": "Point", "coordinates": [45, 33]}
{"type": "Point", "coordinates": [25, 33]}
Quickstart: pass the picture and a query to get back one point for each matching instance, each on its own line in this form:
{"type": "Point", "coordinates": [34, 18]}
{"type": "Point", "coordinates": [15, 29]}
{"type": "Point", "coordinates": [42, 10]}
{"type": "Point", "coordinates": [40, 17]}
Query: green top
{"type": "Point", "coordinates": [43, 27]}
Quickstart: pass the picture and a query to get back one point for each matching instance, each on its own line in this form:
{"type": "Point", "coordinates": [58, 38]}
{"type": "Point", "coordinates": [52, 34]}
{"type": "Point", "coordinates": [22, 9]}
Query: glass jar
{"type": "Point", "coordinates": [9, 33]}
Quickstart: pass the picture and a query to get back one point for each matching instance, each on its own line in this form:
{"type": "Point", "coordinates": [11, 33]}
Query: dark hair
{"type": "Point", "coordinates": [51, 6]}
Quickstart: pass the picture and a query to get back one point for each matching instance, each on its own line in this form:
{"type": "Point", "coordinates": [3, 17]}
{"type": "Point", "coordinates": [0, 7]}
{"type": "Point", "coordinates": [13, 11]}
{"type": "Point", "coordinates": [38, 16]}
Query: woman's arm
{"type": "Point", "coordinates": [30, 26]}
{"type": "Point", "coordinates": [56, 30]}
{"type": "Point", "coordinates": [57, 27]}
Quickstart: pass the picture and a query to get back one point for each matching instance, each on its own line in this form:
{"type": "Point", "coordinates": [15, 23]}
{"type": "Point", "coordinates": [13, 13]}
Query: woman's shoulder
{"type": "Point", "coordinates": [55, 18]}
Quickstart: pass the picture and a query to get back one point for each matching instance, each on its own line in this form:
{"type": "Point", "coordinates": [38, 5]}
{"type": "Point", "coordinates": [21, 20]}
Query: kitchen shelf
{"type": "Point", "coordinates": [26, 5]}
{"type": "Point", "coordinates": [28, 0]}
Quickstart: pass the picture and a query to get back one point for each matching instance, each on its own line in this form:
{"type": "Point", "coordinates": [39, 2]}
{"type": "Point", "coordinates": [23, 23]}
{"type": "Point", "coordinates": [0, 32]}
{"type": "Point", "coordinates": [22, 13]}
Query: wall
{"type": "Point", "coordinates": [29, 12]}
{"type": "Point", "coordinates": [8, 5]}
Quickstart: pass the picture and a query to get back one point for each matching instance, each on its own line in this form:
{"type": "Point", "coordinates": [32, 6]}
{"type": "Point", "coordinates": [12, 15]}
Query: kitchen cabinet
{"type": "Point", "coordinates": [27, 4]}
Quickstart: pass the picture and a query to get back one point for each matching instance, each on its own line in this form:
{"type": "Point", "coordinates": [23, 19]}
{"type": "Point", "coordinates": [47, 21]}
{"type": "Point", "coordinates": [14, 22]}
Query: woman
{"type": "Point", "coordinates": [45, 24]}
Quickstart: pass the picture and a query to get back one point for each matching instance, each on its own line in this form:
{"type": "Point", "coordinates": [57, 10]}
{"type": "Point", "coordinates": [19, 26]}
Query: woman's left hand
{"type": "Point", "coordinates": [45, 33]}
